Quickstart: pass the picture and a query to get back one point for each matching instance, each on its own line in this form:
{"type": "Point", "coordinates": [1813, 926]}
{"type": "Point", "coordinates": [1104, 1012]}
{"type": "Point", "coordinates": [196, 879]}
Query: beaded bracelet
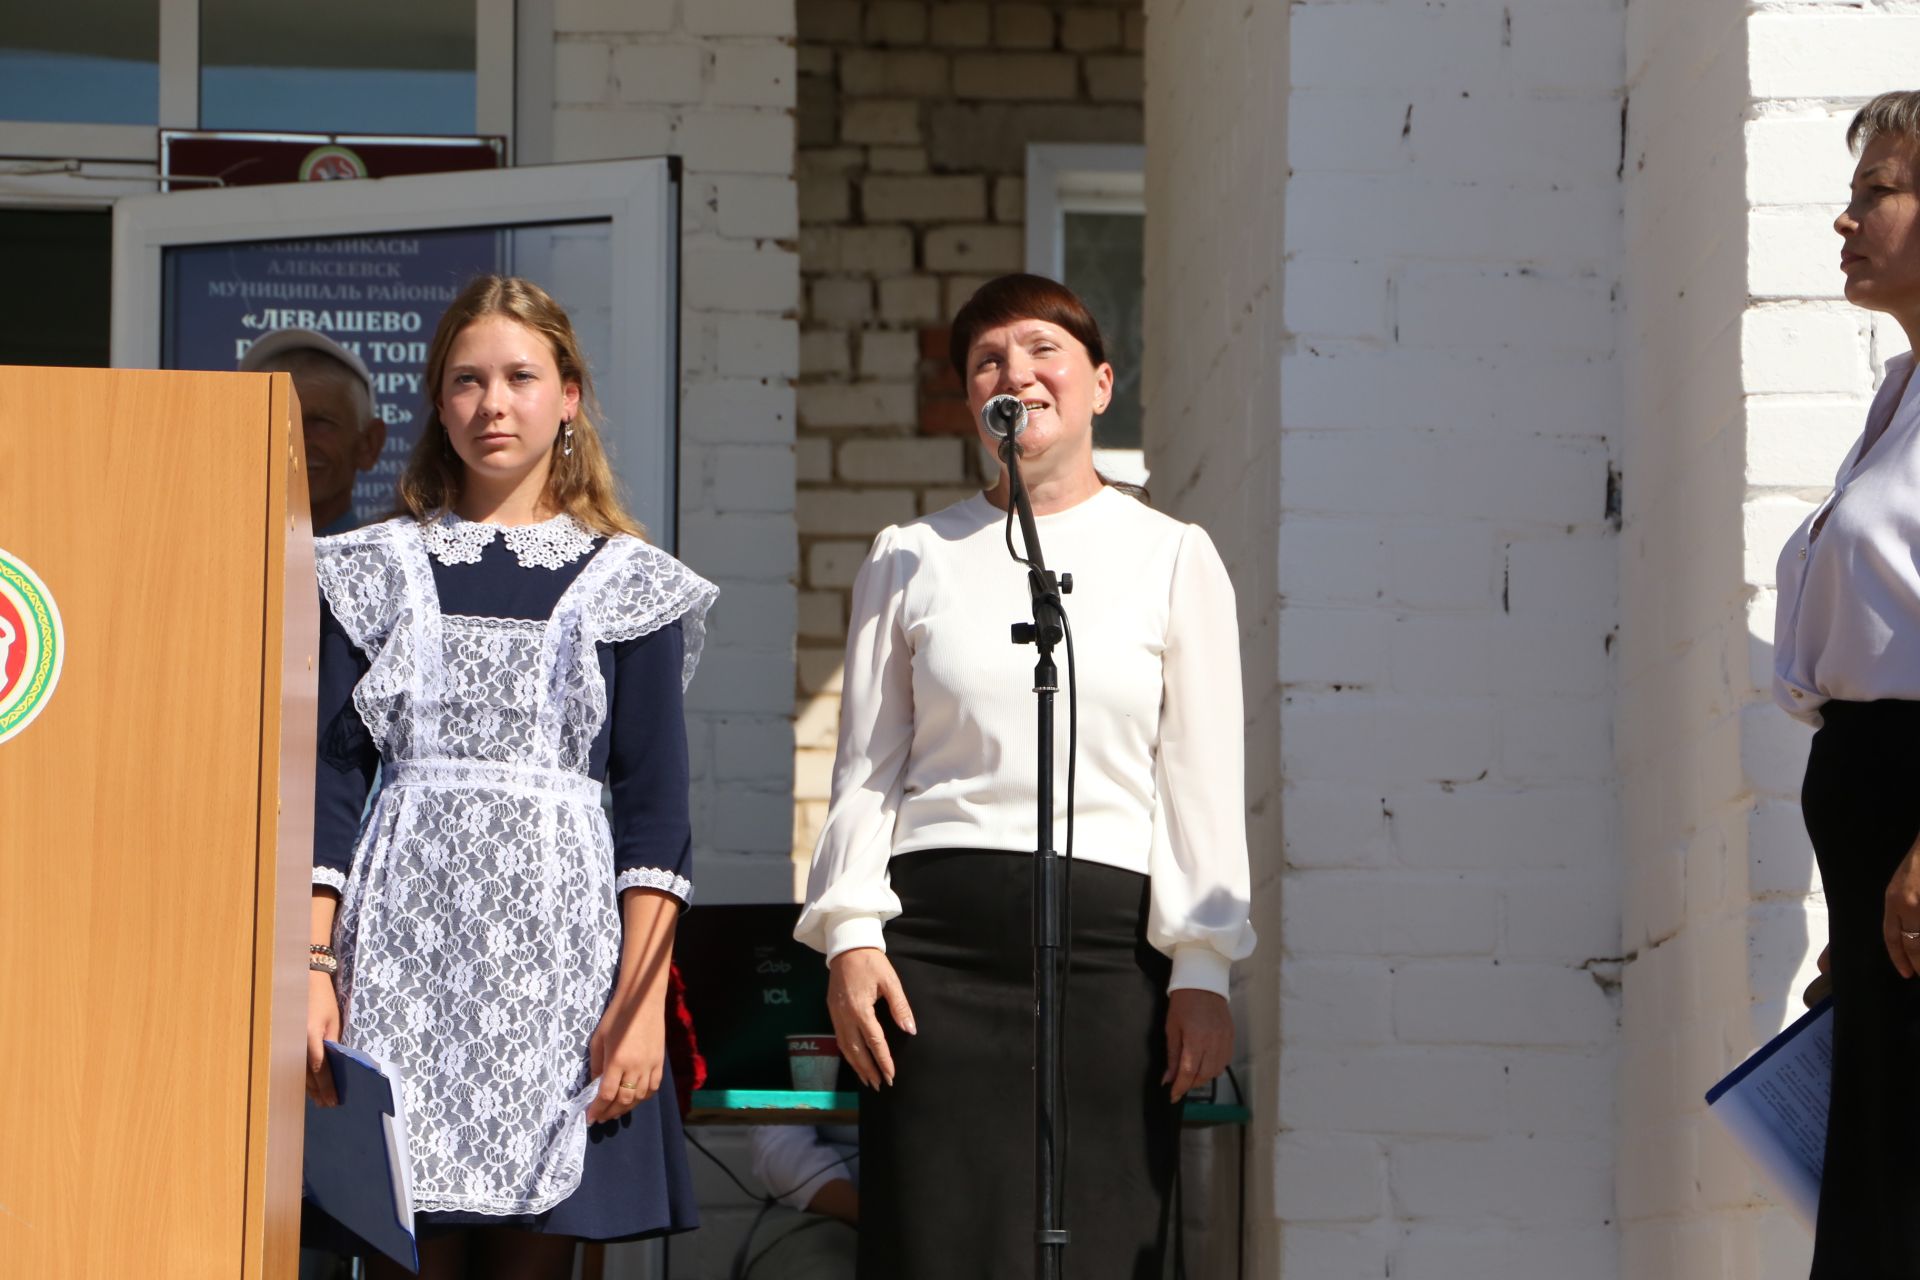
{"type": "Point", "coordinates": [322, 960]}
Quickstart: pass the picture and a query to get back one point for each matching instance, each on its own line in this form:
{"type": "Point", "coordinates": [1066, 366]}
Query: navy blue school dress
{"type": "Point", "coordinates": [493, 680]}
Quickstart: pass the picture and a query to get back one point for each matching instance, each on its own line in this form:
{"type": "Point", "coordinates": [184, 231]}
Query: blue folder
{"type": "Point", "coordinates": [356, 1169]}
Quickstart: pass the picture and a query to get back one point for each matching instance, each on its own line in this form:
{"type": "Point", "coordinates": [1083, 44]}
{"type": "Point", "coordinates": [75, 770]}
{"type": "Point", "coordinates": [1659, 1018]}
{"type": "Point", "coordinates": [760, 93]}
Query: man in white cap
{"type": "Point", "coordinates": [344, 434]}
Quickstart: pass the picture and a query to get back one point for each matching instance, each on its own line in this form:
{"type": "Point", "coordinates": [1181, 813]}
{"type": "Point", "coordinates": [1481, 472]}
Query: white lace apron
{"type": "Point", "coordinates": [478, 929]}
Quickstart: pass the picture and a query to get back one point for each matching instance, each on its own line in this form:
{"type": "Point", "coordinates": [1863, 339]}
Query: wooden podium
{"type": "Point", "coordinates": [156, 828]}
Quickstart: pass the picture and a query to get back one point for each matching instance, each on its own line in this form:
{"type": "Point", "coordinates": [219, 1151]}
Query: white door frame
{"type": "Point", "coordinates": [637, 198]}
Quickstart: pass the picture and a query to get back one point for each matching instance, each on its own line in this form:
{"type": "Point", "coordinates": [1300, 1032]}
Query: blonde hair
{"type": "Point", "coordinates": [1897, 113]}
{"type": "Point", "coordinates": [580, 484]}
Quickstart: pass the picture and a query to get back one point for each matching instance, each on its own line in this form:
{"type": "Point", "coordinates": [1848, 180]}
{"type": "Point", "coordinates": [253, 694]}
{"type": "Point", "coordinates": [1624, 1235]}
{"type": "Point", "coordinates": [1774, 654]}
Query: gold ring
{"type": "Point", "coordinates": [629, 1088]}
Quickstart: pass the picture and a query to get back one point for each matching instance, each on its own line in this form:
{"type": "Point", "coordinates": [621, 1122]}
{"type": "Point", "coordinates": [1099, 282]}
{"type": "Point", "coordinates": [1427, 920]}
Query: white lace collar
{"type": "Point", "coordinates": [549, 544]}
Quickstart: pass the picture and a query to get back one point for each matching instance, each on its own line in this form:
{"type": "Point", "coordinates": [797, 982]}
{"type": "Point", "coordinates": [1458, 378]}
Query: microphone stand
{"type": "Point", "coordinates": [1049, 902]}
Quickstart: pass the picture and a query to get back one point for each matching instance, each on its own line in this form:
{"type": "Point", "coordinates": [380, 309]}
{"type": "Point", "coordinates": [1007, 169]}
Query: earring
{"type": "Point", "coordinates": [566, 426]}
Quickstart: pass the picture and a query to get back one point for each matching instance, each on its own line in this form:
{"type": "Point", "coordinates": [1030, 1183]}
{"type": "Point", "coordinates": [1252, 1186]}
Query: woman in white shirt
{"type": "Point", "coordinates": [1847, 659]}
{"type": "Point", "coordinates": [920, 887]}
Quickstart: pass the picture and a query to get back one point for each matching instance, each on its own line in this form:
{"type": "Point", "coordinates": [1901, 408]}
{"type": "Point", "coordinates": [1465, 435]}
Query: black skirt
{"type": "Point", "coordinates": [947, 1152]}
{"type": "Point", "coordinates": [1861, 800]}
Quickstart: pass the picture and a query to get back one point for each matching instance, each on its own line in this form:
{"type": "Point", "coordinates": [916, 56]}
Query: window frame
{"type": "Point", "coordinates": [1085, 177]}
{"type": "Point", "coordinates": [496, 35]}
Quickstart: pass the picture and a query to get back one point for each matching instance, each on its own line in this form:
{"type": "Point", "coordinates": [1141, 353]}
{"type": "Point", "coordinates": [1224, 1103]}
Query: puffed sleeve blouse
{"type": "Point", "coordinates": [936, 745]}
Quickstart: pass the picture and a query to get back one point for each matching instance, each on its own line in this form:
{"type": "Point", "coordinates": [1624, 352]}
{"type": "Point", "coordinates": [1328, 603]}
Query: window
{"type": "Point", "coordinates": [92, 78]}
{"type": "Point", "coordinates": [1086, 213]}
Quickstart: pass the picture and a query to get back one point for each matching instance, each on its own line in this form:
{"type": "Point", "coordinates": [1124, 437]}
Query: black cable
{"type": "Point", "coordinates": [767, 1202]}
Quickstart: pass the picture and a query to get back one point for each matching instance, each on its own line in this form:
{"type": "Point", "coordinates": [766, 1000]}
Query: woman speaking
{"type": "Point", "coordinates": [921, 886]}
{"type": "Point", "coordinates": [1847, 658]}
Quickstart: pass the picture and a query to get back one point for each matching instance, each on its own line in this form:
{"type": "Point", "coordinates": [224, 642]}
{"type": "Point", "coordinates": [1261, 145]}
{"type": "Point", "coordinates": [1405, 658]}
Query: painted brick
{"type": "Point", "coordinates": [831, 564]}
{"type": "Point", "coordinates": [659, 73]}
{"type": "Point", "coordinates": [910, 299]}
{"type": "Point", "coordinates": [1330, 1177]}
{"type": "Point", "coordinates": [900, 461]}
{"type": "Point", "coordinates": [812, 460]}
{"type": "Point", "coordinates": [961, 26]}
{"type": "Point", "coordinates": [824, 352]}
{"type": "Point", "coordinates": [823, 614]}
{"type": "Point", "coordinates": [755, 207]}
{"type": "Point", "coordinates": [752, 478]}
{"type": "Point", "coordinates": [599, 133]}
{"type": "Point", "coordinates": [1015, 76]}
{"type": "Point", "coordinates": [863, 250]}
{"type": "Point", "coordinates": [762, 75]}
{"type": "Point", "coordinates": [1119, 78]}
{"type": "Point", "coordinates": [872, 74]}
{"type": "Point", "coordinates": [1802, 348]}
{"type": "Point", "coordinates": [1089, 30]}
{"type": "Point", "coordinates": [858, 404]}
{"type": "Point", "coordinates": [892, 22]}
{"type": "Point", "coordinates": [736, 277]}
{"type": "Point", "coordinates": [738, 18]}
{"type": "Point", "coordinates": [1543, 1180]}
{"type": "Point", "coordinates": [956, 290]}
{"type": "Point", "coordinates": [583, 72]}
{"type": "Point", "coordinates": [617, 17]}
{"type": "Point", "coordinates": [844, 511]}
{"type": "Point", "coordinates": [1009, 199]}
{"type": "Point", "coordinates": [757, 346]}
{"type": "Point", "coordinates": [880, 120]}
{"type": "Point", "coordinates": [992, 137]}
{"type": "Point", "coordinates": [829, 21]}
{"type": "Point", "coordinates": [824, 198]}
{"type": "Point", "coordinates": [1500, 1003]}
{"type": "Point", "coordinates": [975, 248]}
{"type": "Point", "coordinates": [1022, 26]}
{"type": "Point", "coordinates": [838, 300]}
{"type": "Point", "coordinates": [888, 354]}
{"type": "Point", "coordinates": [934, 198]}
{"type": "Point", "coordinates": [897, 159]}
{"type": "Point", "coordinates": [737, 141]}
{"type": "Point", "coordinates": [1830, 53]}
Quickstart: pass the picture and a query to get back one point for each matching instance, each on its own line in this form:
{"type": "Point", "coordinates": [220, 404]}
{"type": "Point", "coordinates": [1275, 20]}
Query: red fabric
{"type": "Point", "coordinates": [683, 1047]}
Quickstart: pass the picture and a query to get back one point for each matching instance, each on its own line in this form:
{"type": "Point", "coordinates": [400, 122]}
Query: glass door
{"type": "Point", "coordinates": [199, 275]}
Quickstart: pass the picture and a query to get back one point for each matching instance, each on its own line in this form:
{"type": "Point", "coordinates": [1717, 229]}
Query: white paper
{"type": "Point", "coordinates": [1777, 1111]}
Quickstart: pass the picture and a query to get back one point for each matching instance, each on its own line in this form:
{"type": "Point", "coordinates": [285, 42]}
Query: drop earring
{"type": "Point", "coordinates": [566, 445]}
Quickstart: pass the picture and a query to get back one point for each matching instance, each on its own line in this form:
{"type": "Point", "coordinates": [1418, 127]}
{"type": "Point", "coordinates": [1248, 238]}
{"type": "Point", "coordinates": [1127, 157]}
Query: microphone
{"type": "Point", "coordinates": [1004, 417]}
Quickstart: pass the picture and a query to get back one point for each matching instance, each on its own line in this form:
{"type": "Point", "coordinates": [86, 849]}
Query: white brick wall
{"type": "Point", "coordinates": [1430, 322]}
{"type": "Point", "coordinates": [714, 83]}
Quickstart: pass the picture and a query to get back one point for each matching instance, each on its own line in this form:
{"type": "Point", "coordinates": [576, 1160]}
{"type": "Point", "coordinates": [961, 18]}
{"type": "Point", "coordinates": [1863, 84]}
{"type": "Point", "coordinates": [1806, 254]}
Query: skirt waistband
{"type": "Point", "coordinates": [564, 784]}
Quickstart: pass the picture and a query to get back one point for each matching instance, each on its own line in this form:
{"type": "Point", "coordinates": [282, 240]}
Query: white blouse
{"type": "Point", "coordinates": [1847, 624]}
{"type": "Point", "coordinates": [937, 721]}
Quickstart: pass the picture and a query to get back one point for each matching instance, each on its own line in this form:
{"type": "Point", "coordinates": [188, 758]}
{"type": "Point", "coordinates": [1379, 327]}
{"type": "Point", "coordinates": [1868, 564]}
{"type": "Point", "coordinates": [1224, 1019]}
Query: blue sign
{"type": "Point", "coordinates": [379, 296]}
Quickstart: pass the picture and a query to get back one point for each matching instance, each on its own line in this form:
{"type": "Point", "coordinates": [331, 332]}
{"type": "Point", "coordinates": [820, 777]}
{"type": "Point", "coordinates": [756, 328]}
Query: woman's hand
{"type": "Point", "coordinates": [1900, 926]}
{"type": "Point", "coordinates": [1199, 1039]}
{"type": "Point", "coordinates": [323, 1023]}
{"type": "Point", "coordinates": [627, 1052]}
{"type": "Point", "coordinates": [858, 980]}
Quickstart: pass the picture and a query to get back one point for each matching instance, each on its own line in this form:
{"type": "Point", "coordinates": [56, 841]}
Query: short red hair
{"type": "Point", "coordinates": [1022, 297]}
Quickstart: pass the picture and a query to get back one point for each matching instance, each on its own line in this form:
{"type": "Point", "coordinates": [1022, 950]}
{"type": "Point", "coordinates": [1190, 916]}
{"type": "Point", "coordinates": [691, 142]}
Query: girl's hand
{"type": "Point", "coordinates": [323, 1023]}
{"type": "Point", "coordinates": [858, 980]}
{"type": "Point", "coordinates": [1900, 925]}
{"type": "Point", "coordinates": [628, 1052]}
{"type": "Point", "coordinates": [1199, 1039]}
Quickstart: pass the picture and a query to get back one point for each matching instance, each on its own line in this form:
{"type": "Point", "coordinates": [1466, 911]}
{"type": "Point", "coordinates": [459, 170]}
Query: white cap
{"type": "Point", "coordinates": [281, 341]}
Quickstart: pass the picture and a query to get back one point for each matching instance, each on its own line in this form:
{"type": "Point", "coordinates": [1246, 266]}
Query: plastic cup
{"type": "Point", "coordinates": [814, 1061]}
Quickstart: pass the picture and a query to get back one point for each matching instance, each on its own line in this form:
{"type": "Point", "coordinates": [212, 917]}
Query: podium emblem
{"type": "Point", "coordinates": [33, 645]}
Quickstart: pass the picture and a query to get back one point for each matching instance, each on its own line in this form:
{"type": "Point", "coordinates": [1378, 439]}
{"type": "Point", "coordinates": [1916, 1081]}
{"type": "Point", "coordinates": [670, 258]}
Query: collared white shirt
{"type": "Point", "coordinates": [1847, 624]}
